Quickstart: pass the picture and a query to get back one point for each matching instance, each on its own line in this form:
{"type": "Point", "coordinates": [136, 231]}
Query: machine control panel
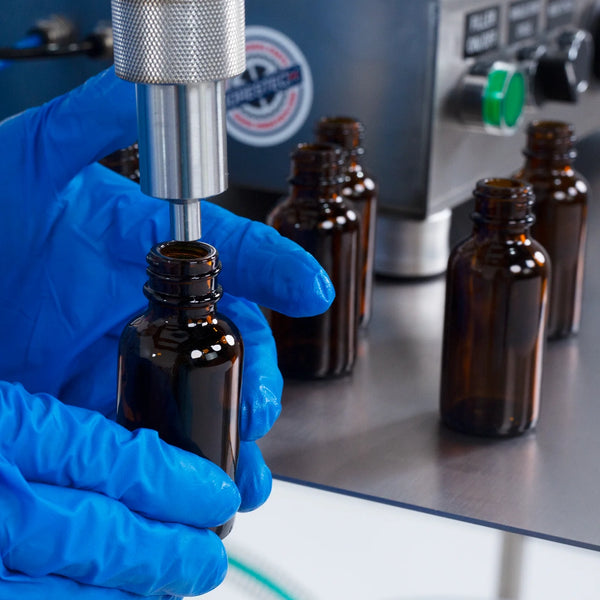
{"type": "Point", "coordinates": [431, 80]}
{"type": "Point", "coordinates": [525, 53]}
{"type": "Point", "coordinates": [520, 21]}
{"type": "Point", "coordinates": [514, 61]}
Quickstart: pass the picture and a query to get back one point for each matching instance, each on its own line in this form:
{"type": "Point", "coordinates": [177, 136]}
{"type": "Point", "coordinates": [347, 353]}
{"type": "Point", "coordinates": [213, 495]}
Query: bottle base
{"type": "Point", "coordinates": [564, 334]}
{"type": "Point", "coordinates": [485, 417]}
{"type": "Point", "coordinates": [224, 530]}
{"type": "Point", "coordinates": [487, 433]}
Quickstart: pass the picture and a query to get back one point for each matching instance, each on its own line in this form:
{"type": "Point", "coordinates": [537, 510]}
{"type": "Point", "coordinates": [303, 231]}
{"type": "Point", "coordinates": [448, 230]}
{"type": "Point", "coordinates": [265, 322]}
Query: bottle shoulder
{"type": "Point", "coordinates": [169, 339]}
{"type": "Point", "coordinates": [564, 185]}
{"type": "Point", "coordinates": [359, 184]}
{"type": "Point", "coordinates": [325, 214]}
{"type": "Point", "coordinates": [151, 323]}
{"type": "Point", "coordinates": [518, 258]}
{"type": "Point", "coordinates": [360, 191]}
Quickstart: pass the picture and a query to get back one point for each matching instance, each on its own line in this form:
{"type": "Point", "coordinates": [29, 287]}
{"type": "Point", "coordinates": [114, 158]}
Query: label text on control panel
{"type": "Point", "coordinates": [482, 31]}
{"type": "Point", "coordinates": [559, 13]}
{"type": "Point", "coordinates": [523, 19]}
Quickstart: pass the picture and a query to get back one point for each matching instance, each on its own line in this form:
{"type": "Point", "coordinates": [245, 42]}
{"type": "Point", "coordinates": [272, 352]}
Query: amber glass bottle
{"type": "Point", "coordinates": [360, 188]}
{"type": "Point", "coordinates": [180, 362]}
{"type": "Point", "coordinates": [496, 291]}
{"type": "Point", "coordinates": [561, 212]}
{"type": "Point", "coordinates": [316, 216]}
{"type": "Point", "coordinates": [126, 162]}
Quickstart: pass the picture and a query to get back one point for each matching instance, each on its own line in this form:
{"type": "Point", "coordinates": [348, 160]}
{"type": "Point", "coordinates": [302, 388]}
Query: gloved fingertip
{"type": "Point", "coordinates": [193, 490]}
{"type": "Point", "coordinates": [259, 412]}
{"type": "Point", "coordinates": [211, 569]}
{"type": "Point", "coordinates": [304, 289]}
{"type": "Point", "coordinates": [253, 477]}
{"type": "Point", "coordinates": [260, 493]}
{"type": "Point", "coordinates": [273, 405]}
{"type": "Point", "coordinates": [323, 289]}
{"type": "Point", "coordinates": [230, 501]}
{"type": "Point", "coordinates": [221, 496]}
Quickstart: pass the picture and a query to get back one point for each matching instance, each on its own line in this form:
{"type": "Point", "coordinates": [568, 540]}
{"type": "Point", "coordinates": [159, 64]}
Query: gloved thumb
{"type": "Point", "coordinates": [68, 446]}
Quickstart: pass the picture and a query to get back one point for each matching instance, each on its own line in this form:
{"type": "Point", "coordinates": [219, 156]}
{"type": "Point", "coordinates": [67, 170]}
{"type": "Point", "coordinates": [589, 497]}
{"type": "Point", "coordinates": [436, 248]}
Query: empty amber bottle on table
{"type": "Point", "coordinates": [561, 213]}
{"type": "Point", "coordinates": [126, 162]}
{"type": "Point", "coordinates": [360, 188]}
{"type": "Point", "coordinates": [496, 294]}
{"type": "Point", "coordinates": [318, 218]}
{"type": "Point", "coordinates": [180, 362]}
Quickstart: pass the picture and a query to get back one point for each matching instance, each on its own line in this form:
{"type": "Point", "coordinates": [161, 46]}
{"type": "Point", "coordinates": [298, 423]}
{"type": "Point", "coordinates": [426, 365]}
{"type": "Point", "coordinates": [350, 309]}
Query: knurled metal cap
{"type": "Point", "coordinates": [178, 41]}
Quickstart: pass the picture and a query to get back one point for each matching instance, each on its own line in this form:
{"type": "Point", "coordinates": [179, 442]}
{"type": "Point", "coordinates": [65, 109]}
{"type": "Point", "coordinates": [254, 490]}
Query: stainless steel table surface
{"type": "Point", "coordinates": [377, 432]}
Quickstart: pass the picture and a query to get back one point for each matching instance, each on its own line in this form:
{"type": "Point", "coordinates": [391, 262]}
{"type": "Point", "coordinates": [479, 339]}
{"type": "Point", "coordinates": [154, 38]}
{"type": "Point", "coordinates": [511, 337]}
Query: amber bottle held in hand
{"type": "Point", "coordinates": [180, 362]}
{"type": "Point", "coordinates": [560, 218]}
{"type": "Point", "coordinates": [318, 218]}
{"type": "Point", "coordinates": [360, 188]}
{"type": "Point", "coordinates": [496, 293]}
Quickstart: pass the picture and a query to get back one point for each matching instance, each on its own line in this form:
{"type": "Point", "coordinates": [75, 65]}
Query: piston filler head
{"type": "Point", "coordinates": [180, 53]}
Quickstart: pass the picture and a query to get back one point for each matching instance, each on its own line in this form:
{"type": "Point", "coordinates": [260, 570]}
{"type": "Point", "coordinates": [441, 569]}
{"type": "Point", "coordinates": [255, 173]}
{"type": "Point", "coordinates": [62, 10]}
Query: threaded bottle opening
{"type": "Point", "coordinates": [551, 140]}
{"type": "Point", "coordinates": [318, 164]}
{"type": "Point", "coordinates": [504, 202]}
{"type": "Point", "coordinates": [345, 131]}
{"type": "Point", "coordinates": [183, 274]}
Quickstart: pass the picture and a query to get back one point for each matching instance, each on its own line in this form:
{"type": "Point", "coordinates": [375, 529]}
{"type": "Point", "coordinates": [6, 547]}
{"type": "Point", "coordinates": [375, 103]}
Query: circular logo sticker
{"type": "Point", "coordinates": [270, 101]}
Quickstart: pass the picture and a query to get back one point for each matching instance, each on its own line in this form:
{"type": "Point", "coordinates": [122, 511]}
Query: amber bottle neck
{"type": "Point", "coordinates": [317, 173]}
{"type": "Point", "coordinates": [353, 161]}
{"type": "Point", "coordinates": [315, 193]}
{"type": "Point", "coordinates": [503, 207]}
{"type": "Point", "coordinates": [550, 144]}
{"type": "Point", "coordinates": [182, 279]}
{"type": "Point", "coordinates": [343, 131]}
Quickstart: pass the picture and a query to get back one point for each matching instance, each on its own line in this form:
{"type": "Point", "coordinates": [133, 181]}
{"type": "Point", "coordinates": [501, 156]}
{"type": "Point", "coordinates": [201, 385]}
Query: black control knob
{"type": "Point", "coordinates": [564, 70]}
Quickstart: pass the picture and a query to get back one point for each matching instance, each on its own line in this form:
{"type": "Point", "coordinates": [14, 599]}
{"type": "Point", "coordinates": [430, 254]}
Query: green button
{"type": "Point", "coordinates": [504, 98]}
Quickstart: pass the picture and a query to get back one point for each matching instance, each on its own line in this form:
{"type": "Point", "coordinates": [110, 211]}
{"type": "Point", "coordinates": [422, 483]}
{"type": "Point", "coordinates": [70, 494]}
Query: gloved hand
{"type": "Point", "coordinates": [83, 500]}
{"type": "Point", "coordinates": [73, 484]}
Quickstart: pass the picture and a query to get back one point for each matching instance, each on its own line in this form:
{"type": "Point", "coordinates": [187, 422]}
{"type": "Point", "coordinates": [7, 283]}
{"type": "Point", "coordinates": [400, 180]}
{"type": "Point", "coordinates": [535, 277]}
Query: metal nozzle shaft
{"type": "Point", "coordinates": [183, 140]}
{"type": "Point", "coordinates": [185, 221]}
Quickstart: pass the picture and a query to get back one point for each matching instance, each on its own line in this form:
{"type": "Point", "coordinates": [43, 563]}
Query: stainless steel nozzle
{"type": "Point", "coordinates": [179, 53]}
{"type": "Point", "coordinates": [183, 140]}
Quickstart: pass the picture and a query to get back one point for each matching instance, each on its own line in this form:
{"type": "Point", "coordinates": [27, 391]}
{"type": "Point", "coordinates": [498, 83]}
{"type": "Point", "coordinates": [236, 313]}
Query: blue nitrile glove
{"type": "Point", "coordinates": [73, 241]}
{"type": "Point", "coordinates": [84, 501]}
